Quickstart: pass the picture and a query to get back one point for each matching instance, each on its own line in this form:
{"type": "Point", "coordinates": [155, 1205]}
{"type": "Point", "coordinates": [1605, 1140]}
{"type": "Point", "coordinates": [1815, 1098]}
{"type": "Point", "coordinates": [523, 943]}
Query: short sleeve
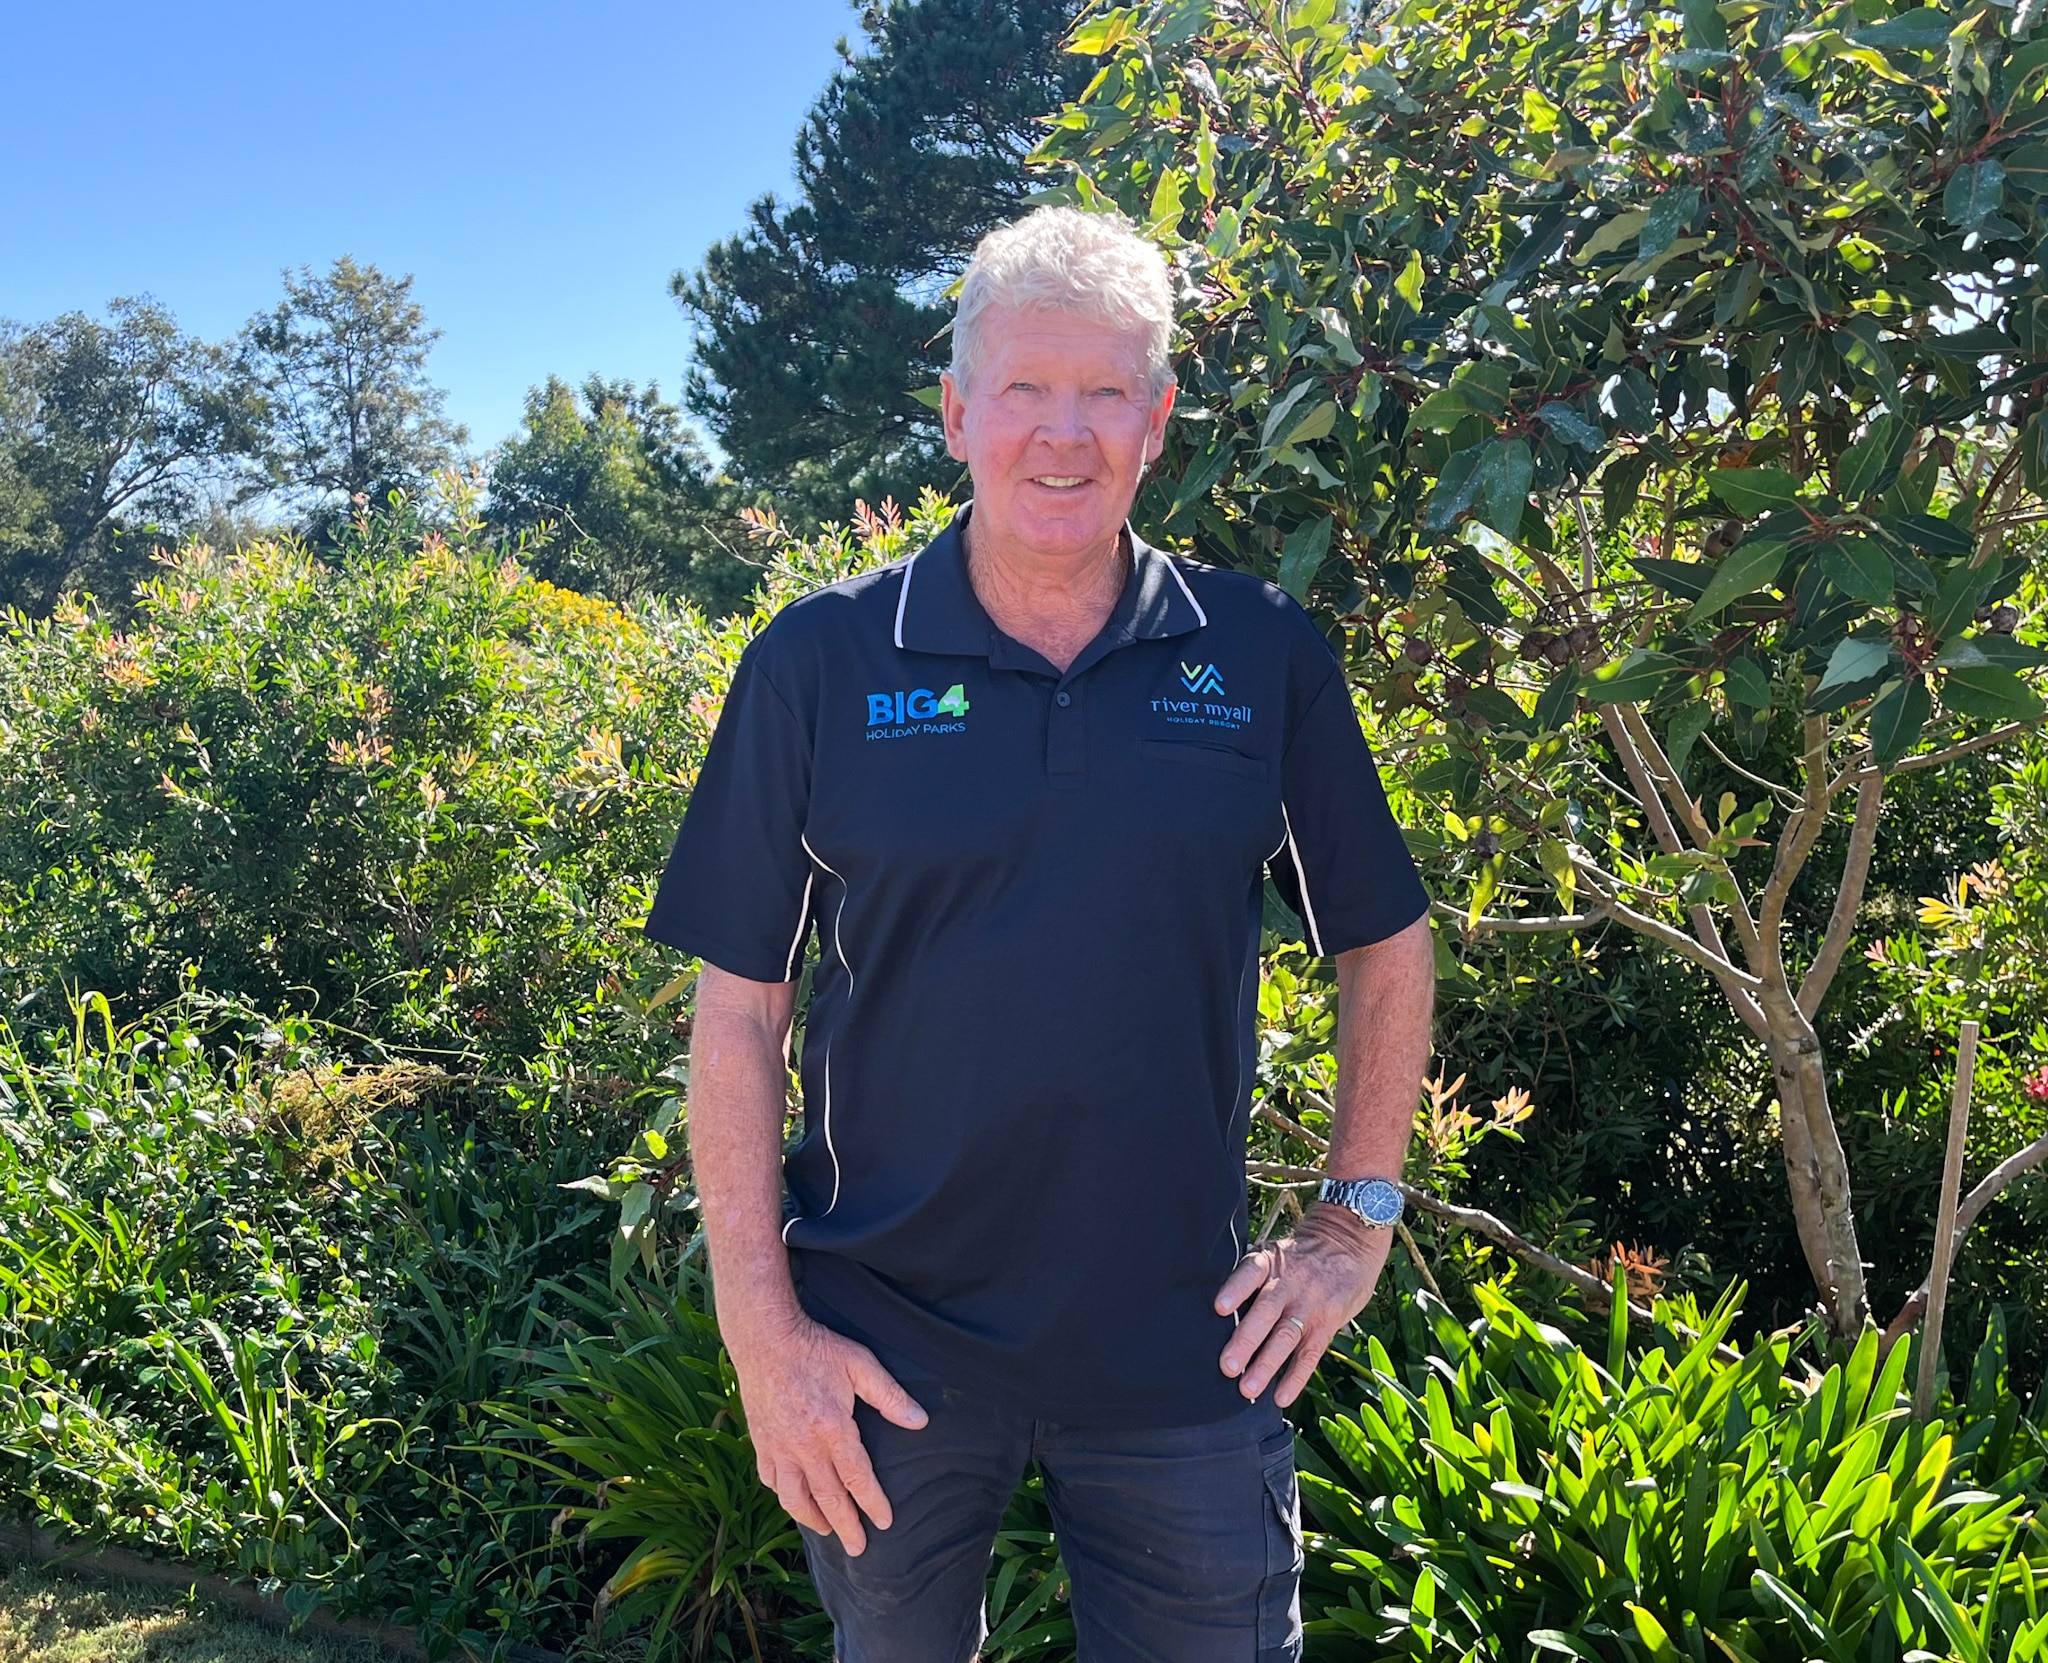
{"type": "Point", "coordinates": [736, 891]}
{"type": "Point", "coordinates": [1343, 865]}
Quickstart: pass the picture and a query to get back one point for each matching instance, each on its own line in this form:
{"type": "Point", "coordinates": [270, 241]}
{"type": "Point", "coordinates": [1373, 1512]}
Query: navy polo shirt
{"type": "Point", "coordinates": [1027, 1065]}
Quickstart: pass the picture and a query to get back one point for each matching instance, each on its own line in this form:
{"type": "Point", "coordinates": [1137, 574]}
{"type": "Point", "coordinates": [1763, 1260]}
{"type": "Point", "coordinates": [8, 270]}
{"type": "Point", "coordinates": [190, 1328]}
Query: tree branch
{"type": "Point", "coordinates": [1988, 1190]}
{"type": "Point", "coordinates": [1983, 741]}
{"type": "Point", "coordinates": [1655, 780]}
{"type": "Point", "coordinates": [1481, 1224]}
{"type": "Point", "coordinates": [1521, 926]}
{"type": "Point", "coordinates": [1801, 832]}
{"type": "Point", "coordinates": [1723, 969]}
{"type": "Point", "coordinates": [1848, 896]}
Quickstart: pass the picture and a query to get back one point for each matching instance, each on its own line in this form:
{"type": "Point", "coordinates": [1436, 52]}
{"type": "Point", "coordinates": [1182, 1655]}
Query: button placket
{"type": "Point", "coordinates": [1066, 746]}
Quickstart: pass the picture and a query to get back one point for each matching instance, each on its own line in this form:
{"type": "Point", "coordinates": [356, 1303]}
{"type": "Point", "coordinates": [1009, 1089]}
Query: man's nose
{"type": "Point", "coordinates": [1066, 422]}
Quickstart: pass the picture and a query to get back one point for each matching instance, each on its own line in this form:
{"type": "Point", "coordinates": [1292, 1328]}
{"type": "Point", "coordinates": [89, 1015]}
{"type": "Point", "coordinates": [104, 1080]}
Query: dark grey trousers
{"type": "Point", "coordinates": [1182, 1544]}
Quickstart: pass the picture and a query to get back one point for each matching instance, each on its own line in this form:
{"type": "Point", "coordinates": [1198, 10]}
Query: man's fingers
{"type": "Point", "coordinates": [796, 1498]}
{"type": "Point", "coordinates": [1286, 1336]}
{"type": "Point", "coordinates": [876, 1385]}
{"type": "Point", "coordinates": [1250, 1276]}
{"type": "Point", "coordinates": [1252, 1329]}
{"type": "Point", "coordinates": [837, 1505]}
{"type": "Point", "coordinates": [857, 1473]}
{"type": "Point", "coordinates": [1295, 1377]}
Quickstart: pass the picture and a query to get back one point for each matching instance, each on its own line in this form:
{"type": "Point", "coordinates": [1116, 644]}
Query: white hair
{"type": "Point", "coordinates": [1062, 259]}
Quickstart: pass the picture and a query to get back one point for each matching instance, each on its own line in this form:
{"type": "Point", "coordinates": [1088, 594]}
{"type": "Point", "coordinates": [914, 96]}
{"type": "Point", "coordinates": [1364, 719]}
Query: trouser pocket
{"type": "Point", "coordinates": [1280, 1593]}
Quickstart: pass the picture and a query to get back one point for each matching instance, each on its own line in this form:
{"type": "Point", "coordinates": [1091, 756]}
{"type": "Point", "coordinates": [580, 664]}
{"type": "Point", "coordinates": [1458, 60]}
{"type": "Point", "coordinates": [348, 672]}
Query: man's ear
{"type": "Point", "coordinates": [1155, 428]}
{"type": "Point", "coordinates": [953, 412]}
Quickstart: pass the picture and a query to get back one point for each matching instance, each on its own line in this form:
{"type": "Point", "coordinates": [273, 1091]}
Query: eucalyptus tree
{"type": "Point", "coordinates": [1646, 396]}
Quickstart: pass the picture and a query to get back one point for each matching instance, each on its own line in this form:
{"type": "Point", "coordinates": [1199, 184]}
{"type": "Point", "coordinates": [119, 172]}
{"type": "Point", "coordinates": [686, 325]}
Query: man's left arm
{"type": "Point", "coordinates": [1310, 1285]}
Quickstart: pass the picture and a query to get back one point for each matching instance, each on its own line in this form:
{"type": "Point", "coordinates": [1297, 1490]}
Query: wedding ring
{"type": "Point", "coordinates": [1300, 1327]}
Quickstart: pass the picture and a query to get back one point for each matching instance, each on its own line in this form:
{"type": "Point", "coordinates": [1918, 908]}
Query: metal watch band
{"type": "Point", "coordinates": [1375, 1200]}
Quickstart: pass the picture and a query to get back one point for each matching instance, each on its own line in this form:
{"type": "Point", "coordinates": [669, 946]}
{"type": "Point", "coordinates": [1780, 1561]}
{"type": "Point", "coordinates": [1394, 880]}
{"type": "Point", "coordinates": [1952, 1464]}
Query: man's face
{"type": "Point", "coordinates": [1056, 429]}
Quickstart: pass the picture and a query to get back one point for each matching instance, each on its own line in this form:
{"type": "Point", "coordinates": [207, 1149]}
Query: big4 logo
{"type": "Point", "coordinates": [918, 704]}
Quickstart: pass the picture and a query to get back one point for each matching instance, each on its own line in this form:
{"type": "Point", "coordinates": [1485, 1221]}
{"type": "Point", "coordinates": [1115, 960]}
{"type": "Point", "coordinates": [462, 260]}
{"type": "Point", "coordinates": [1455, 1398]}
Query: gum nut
{"type": "Point", "coordinates": [1558, 651]}
{"type": "Point", "coordinates": [1418, 650]}
{"type": "Point", "coordinates": [2005, 619]}
{"type": "Point", "coordinates": [1486, 845]}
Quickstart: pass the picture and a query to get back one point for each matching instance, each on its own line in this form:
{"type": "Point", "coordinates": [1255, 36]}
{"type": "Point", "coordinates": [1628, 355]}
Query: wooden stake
{"type": "Point", "coordinates": [1945, 1220]}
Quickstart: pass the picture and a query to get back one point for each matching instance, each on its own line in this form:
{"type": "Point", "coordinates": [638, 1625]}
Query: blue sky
{"type": "Point", "coordinates": [540, 169]}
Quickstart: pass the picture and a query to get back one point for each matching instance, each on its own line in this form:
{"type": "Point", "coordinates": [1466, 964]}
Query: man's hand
{"type": "Point", "coordinates": [799, 1384]}
{"type": "Point", "coordinates": [1308, 1287]}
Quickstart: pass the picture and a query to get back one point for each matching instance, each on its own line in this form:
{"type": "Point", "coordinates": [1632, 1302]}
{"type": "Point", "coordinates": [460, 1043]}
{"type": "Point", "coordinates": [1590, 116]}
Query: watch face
{"type": "Point", "coordinates": [1379, 1202]}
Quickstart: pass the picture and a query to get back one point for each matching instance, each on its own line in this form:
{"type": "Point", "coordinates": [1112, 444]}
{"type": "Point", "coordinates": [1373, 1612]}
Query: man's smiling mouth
{"type": "Point", "coordinates": [1060, 482]}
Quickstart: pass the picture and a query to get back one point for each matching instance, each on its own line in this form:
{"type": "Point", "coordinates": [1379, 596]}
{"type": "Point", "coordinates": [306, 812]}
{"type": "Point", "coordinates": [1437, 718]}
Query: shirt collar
{"type": "Point", "coordinates": [937, 610]}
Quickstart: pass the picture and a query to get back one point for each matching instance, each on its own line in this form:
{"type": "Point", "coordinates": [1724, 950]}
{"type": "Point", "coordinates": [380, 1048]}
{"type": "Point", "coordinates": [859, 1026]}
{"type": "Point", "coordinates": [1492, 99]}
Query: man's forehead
{"type": "Point", "coordinates": [1038, 334]}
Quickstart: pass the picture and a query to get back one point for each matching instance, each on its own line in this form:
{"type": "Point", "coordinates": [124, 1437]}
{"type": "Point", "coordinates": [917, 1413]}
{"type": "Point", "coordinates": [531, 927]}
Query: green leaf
{"type": "Point", "coordinates": [1859, 568]}
{"type": "Point", "coordinates": [1631, 679]}
{"type": "Point", "coordinates": [1556, 1639]}
{"type": "Point", "coordinates": [1301, 556]}
{"type": "Point", "coordinates": [1682, 732]}
{"type": "Point", "coordinates": [1749, 566]}
{"type": "Point", "coordinates": [1202, 477]}
{"type": "Point", "coordinates": [1505, 473]}
{"type": "Point", "coordinates": [1571, 427]}
{"type": "Point", "coordinates": [1441, 411]}
{"type": "Point", "coordinates": [1853, 662]}
{"type": "Point", "coordinates": [1687, 579]}
{"type": "Point", "coordinates": [1668, 215]}
{"type": "Point", "coordinates": [1989, 692]}
{"type": "Point", "coordinates": [1975, 192]}
{"type": "Point", "coordinates": [1747, 684]}
{"type": "Point", "coordinates": [1164, 211]}
{"type": "Point", "coordinates": [1896, 719]}
{"type": "Point", "coordinates": [1557, 865]}
{"type": "Point", "coordinates": [1621, 482]}
{"type": "Point", "coordinates": [1104, 33]}
{"type": "Point", "coordinates": [1934, 534]}
{"type": "Point", "coordinates": [1753, 491]}
{"type": "Point", "coordinates": [1961, 590]}
{"type": "Point", "coordinates": [1313, 426]}
{"type": "Point", "coordinates": [1409, 284]}
{"type": "Point", "coordinates": [1652, 1632]}
{"type": "Point", "coordinates": [1610, 235]}
{"type": "Point", "coordinates": [934, 397]}
{"type": "Point", "coordinates": [1456, 485]}
{"type": "Point", "coordinates": [1922, 30]}
{"type": "Point", "coordinates": [1872, 462]}
{"type": "Point", "coordinates": [1559, 701]}
{"type": "Point", "coordinates": [1280, 417]}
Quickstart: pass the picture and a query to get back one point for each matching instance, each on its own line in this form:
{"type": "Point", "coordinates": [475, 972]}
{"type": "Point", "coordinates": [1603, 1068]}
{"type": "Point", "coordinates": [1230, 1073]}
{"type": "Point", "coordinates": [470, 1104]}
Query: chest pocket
{"type": "Point", "coordinates": [1189, 755]}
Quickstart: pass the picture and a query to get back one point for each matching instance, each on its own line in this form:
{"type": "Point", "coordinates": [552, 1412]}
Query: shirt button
{"type": "Point", "coordinates": [1063, 699]}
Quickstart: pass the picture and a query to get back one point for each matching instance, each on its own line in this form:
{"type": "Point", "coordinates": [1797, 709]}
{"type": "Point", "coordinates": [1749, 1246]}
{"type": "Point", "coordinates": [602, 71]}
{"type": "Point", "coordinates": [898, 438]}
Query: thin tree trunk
{"type": "Point", "coordinates": [1802, 1179]}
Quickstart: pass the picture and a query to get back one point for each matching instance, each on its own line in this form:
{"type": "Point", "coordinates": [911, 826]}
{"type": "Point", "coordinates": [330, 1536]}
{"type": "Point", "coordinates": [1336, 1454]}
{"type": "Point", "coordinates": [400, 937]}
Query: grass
{"type": "Point", "coordinates": [46, 1618]}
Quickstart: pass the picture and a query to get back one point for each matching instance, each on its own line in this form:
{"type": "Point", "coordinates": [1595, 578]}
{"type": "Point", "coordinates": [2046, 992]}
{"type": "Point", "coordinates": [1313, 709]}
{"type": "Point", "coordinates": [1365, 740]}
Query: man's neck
{"type": "Point", "coordinates": [1054, 606]}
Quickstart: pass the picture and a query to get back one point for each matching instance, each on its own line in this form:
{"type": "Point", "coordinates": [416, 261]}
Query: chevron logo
{"type": "Point", "coordinates": [1202, 678]}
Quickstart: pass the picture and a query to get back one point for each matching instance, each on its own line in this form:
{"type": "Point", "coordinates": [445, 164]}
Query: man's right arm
{"type": "Point", "coordinates": [798, 1379]}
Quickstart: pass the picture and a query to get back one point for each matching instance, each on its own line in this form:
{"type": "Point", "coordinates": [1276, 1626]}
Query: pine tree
{"type": "Point", "coordinates": [819, 321]}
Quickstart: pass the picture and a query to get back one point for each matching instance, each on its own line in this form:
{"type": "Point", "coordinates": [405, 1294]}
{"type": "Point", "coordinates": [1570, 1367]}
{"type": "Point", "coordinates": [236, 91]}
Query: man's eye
{"type": "Point", "coordinates": [1109, 392]}
{"type": "Point", "coordinates": [1022, 387]}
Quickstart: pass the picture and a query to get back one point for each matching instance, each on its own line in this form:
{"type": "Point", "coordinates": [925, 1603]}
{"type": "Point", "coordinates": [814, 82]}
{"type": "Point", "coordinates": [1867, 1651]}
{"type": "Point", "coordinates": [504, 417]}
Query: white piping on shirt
{"type": "Point", "coordinates": [902, 600]}
{"type": "Point", "coordinates": [1184, 589]}
{"type": "Point", "coordinates": [1308, 906]}
{"type": "Point", "coordinates": [803, 925]}
{"type": "Point", "coordinates": [839, 947]}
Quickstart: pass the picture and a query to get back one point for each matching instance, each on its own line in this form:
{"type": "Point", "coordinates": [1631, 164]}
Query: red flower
{"type": "Point", "coordinates": [2036, 1085]}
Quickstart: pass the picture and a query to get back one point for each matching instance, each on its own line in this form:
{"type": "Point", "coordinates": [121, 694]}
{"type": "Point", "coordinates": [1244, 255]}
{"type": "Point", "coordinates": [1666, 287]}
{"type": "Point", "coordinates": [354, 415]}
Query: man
{"type": "Point", "coordinates": [1027, 785]}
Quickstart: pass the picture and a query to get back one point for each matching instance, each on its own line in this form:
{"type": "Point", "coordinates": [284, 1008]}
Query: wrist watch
{"type": "Point", "coordinates": [1375, 1200]}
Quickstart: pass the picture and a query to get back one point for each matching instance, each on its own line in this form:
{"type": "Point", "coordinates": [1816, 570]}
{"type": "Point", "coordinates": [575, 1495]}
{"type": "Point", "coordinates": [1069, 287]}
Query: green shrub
{"type": "Point", "coordinates": [252, 1304]}
{"type": "Point", "coordinates": [413, 790]}
{"type": "Point", "coordinates": [1505, 1495]}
